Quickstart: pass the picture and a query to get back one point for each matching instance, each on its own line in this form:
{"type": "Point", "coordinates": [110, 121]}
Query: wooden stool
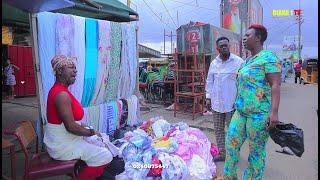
{"type": "Point", "coordinates": [6, 144]}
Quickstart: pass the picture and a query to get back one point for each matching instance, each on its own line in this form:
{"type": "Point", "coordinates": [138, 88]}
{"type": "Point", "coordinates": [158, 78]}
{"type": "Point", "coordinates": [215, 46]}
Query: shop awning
{"type": "Point", "coordinates": [159, 61]}
{"type": "Point", "coordinates": [111, 10]}
{"type": "Point", "coordinates": [14, 16]}
{"type": "Point", "coordinates": [16, 11]}
{"type": "Point", "coordinates": [35, 6]}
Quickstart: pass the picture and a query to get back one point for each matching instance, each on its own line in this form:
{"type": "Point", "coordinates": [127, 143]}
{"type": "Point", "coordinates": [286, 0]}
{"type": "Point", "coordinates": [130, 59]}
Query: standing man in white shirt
{"type": "Point", "coordinates": [221, 90]}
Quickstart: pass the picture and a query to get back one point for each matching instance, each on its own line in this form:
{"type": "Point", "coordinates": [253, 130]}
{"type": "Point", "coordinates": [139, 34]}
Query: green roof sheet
{"type": "Point", "coordinates": [12, 15]}
{"type": "Point", "coordinates": [111, 10]}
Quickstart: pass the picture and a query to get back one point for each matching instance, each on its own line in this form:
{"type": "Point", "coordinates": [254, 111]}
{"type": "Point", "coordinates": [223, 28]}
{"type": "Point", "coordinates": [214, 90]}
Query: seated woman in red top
{"type": "Point", "coordinates": [63, 134]}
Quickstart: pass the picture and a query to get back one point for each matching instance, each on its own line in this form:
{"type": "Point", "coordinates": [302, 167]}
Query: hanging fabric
{"type": "Point", "coordinates": [94, 115]}
{"type": "Point", "coordinates": [115, 117]}
{"type": "Point", "coordinates": [79, 52]}
{"type": "Point", "coordinates": [109, 118]}
{"type": "Point", "coordinates": [128, 67]}
{"type": "Point", "coordinates": [65, 35]}
{"type": "Point", "coordinates": [138, 117]}
{"type": "Point", "coordinates": [124, 113]}
{"type": "Point", "coordinates": [119, 105]}
{"type": "Point", "coordinates": [135, 102]}
{"type": "Point", "coordinates": [91, 61]}
{"type": "Point", "coordinates": [106, 66]}
{"type": "Point", "coordinates": [86, 119]}
{"type": "Point", "coordinates": [124, 80]}
{"type": "Point", "coordinates": [103, 62]}
{"type": "Point", "coordinates": [130, 114]}
{"type": "Point", "coordinates": [113, 74]}
{"type": "Point", "coordinates": [132, 111]}
{"type": "Point", "coordinates": [46, 45]}
{"type": "Point", "coordinates": [132, 57]}
{"type": "Point", "coordinates": [102, 118]}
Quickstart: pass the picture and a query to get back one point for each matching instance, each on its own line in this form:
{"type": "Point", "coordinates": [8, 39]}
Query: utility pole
{"type": "Point", "coordinates": [164, 41]}
{"type": "Point", "coordinates": [128, 3]}
{"type": "Point", "coordinates": [299, 35]}
{"type": "Point", "coordinates": [221, 12]}
{"type": "Point", "coordinates": [173, 47]}
{"type": "Point", "coordinates": [171, 40]}
{"type": "Point", "coordinates": [178, 18]}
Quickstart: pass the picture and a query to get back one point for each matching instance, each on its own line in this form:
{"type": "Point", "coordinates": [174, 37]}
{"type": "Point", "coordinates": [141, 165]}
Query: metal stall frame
{"type": "Point", "coordinates": [36, 62]}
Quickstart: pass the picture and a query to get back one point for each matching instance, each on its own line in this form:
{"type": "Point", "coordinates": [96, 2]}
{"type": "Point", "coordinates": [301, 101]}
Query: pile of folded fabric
{"type": "Point", "coordinates": [160, 150]}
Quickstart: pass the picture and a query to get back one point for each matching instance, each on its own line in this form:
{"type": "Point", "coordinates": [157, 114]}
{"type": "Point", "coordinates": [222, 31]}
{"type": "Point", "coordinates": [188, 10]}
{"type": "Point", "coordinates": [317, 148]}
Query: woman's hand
{"type": "Point", "coordinates": [98, 134]}
{"type": "Point", "coordinates": [272, 120]}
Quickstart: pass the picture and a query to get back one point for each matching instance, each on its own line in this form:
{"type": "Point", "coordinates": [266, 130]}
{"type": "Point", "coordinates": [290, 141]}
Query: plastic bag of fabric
{"type": "Point", "coordinates": [160, 127]}
{"type": "Point", "coordinates": [155, 171]}
{"type": "Point", "coordinates": [174, 167]}
{"type": "Point", "coordinates": [198, 169]}
{"type": "Point", "coordinates": [122, 176]}
{"type": "Point", "coordinates": [214, 150]}
{"type": "Point", "coordinates": [141, 142]}
{"type": "Point", "coordinates": [288, 135]}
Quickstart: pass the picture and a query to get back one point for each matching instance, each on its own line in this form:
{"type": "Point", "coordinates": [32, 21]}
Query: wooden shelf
{"type": "Point", "coordinates": [190, 81]}
{"type": "Point", "coordinates": [189, 94]}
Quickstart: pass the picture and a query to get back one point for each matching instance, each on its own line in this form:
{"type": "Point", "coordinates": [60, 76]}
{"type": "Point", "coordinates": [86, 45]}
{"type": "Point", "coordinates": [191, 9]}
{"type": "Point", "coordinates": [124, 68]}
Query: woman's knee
{"type": "Point", "coordinates": [233, 142]}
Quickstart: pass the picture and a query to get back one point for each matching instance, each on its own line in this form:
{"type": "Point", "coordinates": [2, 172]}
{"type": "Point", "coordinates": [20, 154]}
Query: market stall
{"type": "Point", "coordinates": [104, 60]}
{"type": "Point", "coordinates": [106, 86]}
{"type": "Point", "coordinates": [156, 79]}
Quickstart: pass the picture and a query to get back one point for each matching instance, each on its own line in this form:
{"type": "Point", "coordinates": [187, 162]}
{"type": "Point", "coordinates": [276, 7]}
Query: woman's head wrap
{"type": "Point", "coordinates": [60, 61]}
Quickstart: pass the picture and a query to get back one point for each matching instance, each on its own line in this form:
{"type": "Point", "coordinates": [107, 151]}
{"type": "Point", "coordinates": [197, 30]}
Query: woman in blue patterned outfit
{"type": "Point", "coordinates": [256, 105]}
{"type": "Point", "coordinates": [10, 79]}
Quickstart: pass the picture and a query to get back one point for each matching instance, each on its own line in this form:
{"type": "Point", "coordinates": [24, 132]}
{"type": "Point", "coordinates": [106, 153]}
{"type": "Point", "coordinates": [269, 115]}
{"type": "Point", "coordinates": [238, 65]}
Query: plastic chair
{"type": "Point", "coordinates": [40, 165]}
{"type": "Point", "coordinates": [6, 144]}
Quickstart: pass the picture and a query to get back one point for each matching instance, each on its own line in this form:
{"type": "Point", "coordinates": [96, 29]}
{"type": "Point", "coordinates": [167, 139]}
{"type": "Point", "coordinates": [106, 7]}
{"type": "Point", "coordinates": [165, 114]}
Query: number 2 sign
{"type": "Point", "coordinates": [193, 36]}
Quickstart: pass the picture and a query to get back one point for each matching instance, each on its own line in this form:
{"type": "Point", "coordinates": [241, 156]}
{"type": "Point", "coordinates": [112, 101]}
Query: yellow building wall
{"type": "Point", "coordinates": [7, 37]}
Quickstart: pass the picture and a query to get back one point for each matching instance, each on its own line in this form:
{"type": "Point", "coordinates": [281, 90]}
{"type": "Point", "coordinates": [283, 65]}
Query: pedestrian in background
{"type": "Point", "coordinates": [284, 70]}
{"type": "Point", "coordinates": [297, 71]}
{"type": "Point", "coordinates": [256, 105]}
{"type": "Point", "coordinates": [221, 90]}
{"type": "Point", "coordinates": [290, 67]}
{"type": "Point", "coordinates": [10, 79]}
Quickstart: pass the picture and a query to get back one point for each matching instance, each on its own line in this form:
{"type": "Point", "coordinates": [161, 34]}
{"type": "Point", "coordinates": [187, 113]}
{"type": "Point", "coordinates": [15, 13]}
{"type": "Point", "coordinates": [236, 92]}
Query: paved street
{"type": "Point", "coordinates": [298, 105]}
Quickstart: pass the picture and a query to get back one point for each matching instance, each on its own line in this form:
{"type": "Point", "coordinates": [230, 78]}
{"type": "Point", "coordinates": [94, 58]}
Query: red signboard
{"type": "Point", "coordinates": [193, 37]}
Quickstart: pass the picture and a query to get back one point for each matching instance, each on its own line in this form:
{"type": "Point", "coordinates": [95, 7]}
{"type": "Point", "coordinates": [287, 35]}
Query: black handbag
{"type": "Point", "coordinates": [288, 135]}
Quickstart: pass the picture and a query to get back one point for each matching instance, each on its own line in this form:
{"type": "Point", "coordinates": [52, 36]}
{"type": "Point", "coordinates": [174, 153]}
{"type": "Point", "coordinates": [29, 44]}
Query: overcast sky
{"type": "Point", "coordinates": [157, 15]}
